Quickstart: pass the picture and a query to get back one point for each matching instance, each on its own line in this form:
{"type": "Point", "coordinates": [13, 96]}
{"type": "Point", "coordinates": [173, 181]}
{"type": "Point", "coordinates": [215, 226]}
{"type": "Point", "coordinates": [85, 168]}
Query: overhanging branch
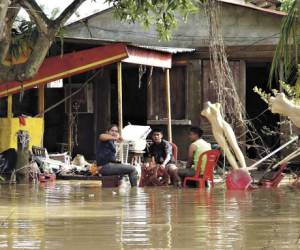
{"type": "Point", "coordinates": [68, 12]}
{"type": "Point", "coordinates": [11, 15]}
{"type": "Point", "coordinates": [39, 17]}
{"type": "Point", "coordinates": [47, 30]}
{"type": "Point", "coordinates": [3, 10]}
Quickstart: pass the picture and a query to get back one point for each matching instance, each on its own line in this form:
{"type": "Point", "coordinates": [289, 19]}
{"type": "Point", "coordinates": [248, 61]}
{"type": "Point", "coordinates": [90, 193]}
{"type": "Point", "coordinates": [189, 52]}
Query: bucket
{"type": "Point", "coordinates": [238, 179]}
{"type": "Point", "coordinates": [47, 177]}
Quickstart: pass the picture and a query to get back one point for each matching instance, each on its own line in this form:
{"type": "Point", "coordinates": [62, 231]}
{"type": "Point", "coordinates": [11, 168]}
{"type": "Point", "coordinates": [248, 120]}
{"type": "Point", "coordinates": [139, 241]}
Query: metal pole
{"type": "Point", "coordinates": [120, 106]}
{"type": "Point", "coordinates": [168, 97]}
{"type": "Point", "coordinates": [272, 153]}
{"type": "Point", "coordinates": [288, 158]}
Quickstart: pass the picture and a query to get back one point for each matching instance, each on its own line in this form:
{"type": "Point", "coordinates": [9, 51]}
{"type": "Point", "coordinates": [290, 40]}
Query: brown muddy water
{"type": "Point", "coordinates": [82, 215]}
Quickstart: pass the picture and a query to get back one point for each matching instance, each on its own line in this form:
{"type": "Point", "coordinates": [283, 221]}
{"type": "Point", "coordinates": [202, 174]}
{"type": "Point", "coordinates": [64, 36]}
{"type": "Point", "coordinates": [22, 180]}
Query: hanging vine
{"type": "Point", "coordinates": [223, 83]}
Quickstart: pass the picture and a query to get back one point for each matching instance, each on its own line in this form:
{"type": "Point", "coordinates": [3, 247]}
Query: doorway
{"type": "Point", "coordinates": [134, 96]}
{"type": "Point", "coordinates": [263, 120]}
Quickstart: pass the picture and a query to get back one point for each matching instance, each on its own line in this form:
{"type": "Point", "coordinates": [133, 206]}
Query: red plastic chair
{"type": "Point", "coordinates": [174, 154]}
{"type": "Point", "coordinates": [212, 157]}
{"type": "Point", "coordinates": [174, 150]}
{"type": "Point", "coordinates": [275, 180]}
{"type": "Point", "coordinates": [145, 174]}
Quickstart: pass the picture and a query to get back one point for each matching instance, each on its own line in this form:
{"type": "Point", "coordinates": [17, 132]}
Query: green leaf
{"type": "Point", "coordinates": [161, 13]}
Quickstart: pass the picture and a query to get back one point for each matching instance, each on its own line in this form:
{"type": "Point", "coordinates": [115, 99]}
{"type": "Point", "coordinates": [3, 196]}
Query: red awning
{"type": "Point", "coordinates": [58, 67]}
{"type": "Point", "coordinates": [148, 57]}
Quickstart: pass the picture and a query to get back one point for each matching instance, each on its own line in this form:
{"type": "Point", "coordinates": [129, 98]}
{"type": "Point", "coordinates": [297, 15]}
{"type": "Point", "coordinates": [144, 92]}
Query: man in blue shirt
{"type": "Point", "coordinates": [106, 156]}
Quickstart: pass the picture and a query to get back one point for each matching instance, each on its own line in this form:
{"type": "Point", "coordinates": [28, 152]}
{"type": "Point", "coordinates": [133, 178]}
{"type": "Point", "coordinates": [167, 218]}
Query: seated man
{"type": "Point", "coordinates": [106, 156]}
{"type": "Point", "coordinates": [197, 147]}
{"type": "Point", "coordinates": [161, 153]}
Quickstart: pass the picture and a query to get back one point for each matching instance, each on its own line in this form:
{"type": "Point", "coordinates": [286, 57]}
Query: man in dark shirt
{"type": "Point", "coordinates": [161, 151]}
{"type": "Point", "coordinates": [106, 156]}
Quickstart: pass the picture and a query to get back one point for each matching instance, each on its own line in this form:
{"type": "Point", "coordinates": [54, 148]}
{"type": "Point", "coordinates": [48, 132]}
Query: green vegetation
{"type": "Point", "coordinates": [286, 5]}
{"type": "Point", "coordinates": [153, 12]}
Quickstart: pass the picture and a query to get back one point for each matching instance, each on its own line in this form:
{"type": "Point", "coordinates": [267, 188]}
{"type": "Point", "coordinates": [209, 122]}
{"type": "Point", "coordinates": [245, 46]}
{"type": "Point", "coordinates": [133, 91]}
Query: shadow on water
{"type": "Point", "coordinates": [82, 215]}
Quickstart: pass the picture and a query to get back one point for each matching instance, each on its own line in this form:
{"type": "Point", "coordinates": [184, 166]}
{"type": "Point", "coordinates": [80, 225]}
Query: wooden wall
{"type": "Point", "coordinates": [191, 80]}
{"type": "Point", "coordinates": [157, 109]}
{"type": "Point", "coordinates": [238, 69]}
{"type": "Point", "coordinates": [102, 103]}
{"type": "Point", "coordinates": [157, 94]}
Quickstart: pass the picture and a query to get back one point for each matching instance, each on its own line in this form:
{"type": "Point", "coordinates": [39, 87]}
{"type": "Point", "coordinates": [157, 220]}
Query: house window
{"type": "Point", "coordinates": [157, 106]}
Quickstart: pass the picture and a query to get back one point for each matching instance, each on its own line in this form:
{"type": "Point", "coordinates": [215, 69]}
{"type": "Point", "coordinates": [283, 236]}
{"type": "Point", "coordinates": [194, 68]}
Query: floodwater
{"type": "Point", "coordinates": [82, 215]}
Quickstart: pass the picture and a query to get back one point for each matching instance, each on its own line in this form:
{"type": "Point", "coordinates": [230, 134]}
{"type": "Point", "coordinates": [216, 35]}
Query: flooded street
{"type": "Point", "coordinates": [82, 215]}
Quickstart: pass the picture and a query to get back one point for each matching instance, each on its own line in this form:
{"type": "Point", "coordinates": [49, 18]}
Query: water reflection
{"type": "Point", "coordinates": [81, 215]}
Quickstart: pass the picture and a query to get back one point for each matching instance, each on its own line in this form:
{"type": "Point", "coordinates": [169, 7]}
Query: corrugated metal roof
{"type": "Point", "coordinates": [171, 50]}
{"type": "Point", "coordinates": [164, 49]}
{"type": "Point", "coordinates": [233, 2]}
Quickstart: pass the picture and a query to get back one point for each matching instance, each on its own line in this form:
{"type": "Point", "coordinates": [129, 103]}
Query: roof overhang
{"type": "Point", "coordinates": [254, 7]}
{"type": "Point", "coordinates": [148, 57]}
{"type": "Point", "coordinates": [244, 4]}
{"type": "Point", "coordinates": [58, 67]}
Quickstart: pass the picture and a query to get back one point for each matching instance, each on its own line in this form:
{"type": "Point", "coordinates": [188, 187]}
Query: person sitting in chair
{"type": "Point", "coordinates": [197, 147]}
{"type": "Point", "coordinates": [106, 156]}
{"type": "Point", "coordinates": [160, 152]}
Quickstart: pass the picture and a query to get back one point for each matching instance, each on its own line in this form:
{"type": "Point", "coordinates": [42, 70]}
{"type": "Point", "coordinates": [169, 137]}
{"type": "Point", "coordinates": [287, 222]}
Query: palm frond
{"type": "Point", "coordinates": [286, 49]}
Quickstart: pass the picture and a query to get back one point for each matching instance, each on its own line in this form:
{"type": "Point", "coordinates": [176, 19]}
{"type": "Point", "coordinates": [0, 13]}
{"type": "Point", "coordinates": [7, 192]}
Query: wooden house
{"type": "Point", "coordinates": [250, 34]}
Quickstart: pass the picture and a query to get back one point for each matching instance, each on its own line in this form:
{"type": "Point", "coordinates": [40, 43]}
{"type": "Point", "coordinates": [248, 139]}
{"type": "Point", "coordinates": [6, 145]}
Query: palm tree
{"type": "Point", "coordinates": [285, 59]}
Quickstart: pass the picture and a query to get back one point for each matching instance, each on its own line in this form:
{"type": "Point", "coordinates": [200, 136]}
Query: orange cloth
{"type": "Point", "coordinates": [94, 169]}
{"type": "Point", "coordinates": [22, 121]}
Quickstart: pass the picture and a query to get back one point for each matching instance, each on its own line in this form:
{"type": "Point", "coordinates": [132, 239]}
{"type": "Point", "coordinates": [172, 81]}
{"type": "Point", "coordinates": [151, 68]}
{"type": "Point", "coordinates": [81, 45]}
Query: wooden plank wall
{"type": "Point", "coordinates": [157, 94]}
{"type": "Point", "coordinates": [102, 101]}
{"type": "Point", "coordinates": [194, 89]}
{"type": "Point", "coordinates": [190, 89]}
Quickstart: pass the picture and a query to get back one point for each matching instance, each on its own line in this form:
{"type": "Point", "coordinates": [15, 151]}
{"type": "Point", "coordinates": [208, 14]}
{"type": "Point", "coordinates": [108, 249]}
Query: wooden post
{"type": "Point", "coordinates": [120, 99]}
{"type": "Point", "coordinates": [120, 106]}
{"type": "Point", "coordinates": [70, 133]}
{"type": "Point", "coordinates": [168, 99]}
{"type": "Point", "coordinates": [70, 126]}
{"type": "Point", "coordinates": [9, 107]}
{"type": "Point", "coordinates": [41, 100]}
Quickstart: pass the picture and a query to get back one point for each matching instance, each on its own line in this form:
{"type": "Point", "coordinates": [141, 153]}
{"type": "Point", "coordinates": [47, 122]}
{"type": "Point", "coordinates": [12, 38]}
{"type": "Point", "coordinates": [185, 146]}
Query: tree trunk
{"type": "Point", "coordinates": [46, 29]}
{"type": "Point", "coordinates": [3, 10]}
